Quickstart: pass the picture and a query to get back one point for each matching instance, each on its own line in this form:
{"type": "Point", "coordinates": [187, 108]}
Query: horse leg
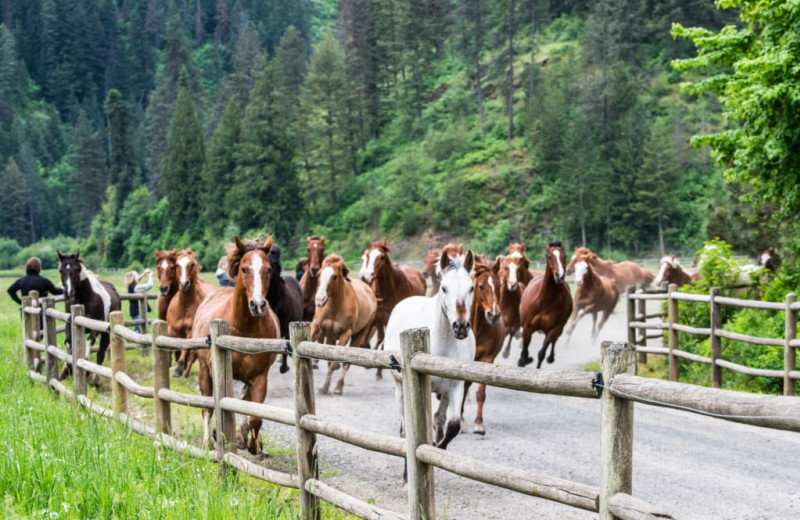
{"type": "Point", "coordinates": [440, 418]}
{"type": "Point", "coordinates": [205, 384]}
{"type": "Point", "coordinates": [524, 358]}
{"type": "Point", "coordinates": [191, 356]}
{"type": "Point", "coordinates": [284, 363]}
{"type": "Point", "coordinates": [257, 391]}
{"type": "Point", "coordinates": [450, 400]}
{"type": "Point", "coordinates": [326, 385]}
{"type": "Point", "coordinates": [181, 365]}
{"type": "Point", "coordinates": [105, 339]}
{"type": "Point", "coordinates": [595, 330]}
{"type": "Point", "coordinates": [340, 382]}
{"type": "Point", "coordinates": [467, 384]}
{"type": "Point", "coordinates": [480, 396]}
{"type": "Point", "coordinates": [606, 314]}
{"type": "Point", "coordinates": [507, 348]}
{"type": "Point", "coordinates": [542, 352]}
{"type": "Point", "coordinates": [379, 346]}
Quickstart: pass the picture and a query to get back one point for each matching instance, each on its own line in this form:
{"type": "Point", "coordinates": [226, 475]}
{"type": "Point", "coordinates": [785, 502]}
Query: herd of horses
{"type": "Point", "coordinates": [475, 308]}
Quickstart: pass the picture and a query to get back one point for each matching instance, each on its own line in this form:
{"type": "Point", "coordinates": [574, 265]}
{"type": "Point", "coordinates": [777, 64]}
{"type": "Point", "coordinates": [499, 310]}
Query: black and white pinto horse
{"type": "Point", "coordinates": [81, 287]}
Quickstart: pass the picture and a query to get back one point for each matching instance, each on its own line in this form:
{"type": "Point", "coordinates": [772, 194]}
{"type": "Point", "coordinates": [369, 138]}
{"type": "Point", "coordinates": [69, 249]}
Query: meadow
{"type": "Point", "coordinates": [62, 462]}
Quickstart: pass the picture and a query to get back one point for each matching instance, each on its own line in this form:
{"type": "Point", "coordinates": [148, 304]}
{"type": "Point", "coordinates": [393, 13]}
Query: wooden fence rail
{"type": "Point", "coordinates": [617, 387]}
{"type": "Point", "coordinates": [637, 322]}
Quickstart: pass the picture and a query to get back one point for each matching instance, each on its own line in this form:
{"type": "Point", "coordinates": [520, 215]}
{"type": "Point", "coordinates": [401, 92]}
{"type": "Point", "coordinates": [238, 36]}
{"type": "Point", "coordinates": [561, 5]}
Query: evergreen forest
{"type": "Point", "coordinates": [129, 125]}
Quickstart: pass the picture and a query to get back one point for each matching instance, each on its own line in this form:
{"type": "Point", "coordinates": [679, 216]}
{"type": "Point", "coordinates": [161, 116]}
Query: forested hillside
{"type": "Point", "coordinates": [127, 125]}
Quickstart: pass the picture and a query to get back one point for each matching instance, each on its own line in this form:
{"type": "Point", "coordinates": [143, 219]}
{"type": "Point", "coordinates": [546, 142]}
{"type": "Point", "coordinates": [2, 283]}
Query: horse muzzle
{"type": "Point", "coordinates": [368, 278]}
{"type": "Point", "coordinates": [184, 286]}
{"type": "Point", "coordinates": [163, 289]}
{"type": "Point", "coordinates": [492, 317]}
{"type": "Point", "coordinates": [258, 308]}
{"type": "Point", "coordinates": [558, 278]}
{"type": "Point", "coordinates": [320, 301]}
{"type": "Point", "coordinates": [314, 272]}
{"type": "Point", "coordinates": [512, 286]}
{"type": "Point", "coordinates": [461, 329]}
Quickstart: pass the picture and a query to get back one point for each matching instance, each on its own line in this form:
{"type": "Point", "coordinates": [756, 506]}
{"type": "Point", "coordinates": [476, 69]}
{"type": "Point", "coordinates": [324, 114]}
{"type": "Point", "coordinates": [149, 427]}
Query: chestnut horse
{"type": "Point", "coordinates": [430, 268]}
{"type": "Point", "coordinates": [594, 294]}
{"type": "Point", "coordinates": [515, 274]}
{"type": "Point", "coordinates": [345, 311]}
{"type": "Point", "coordinates": [546, 306]}
{"type": "Point", "coordinates": [167, 284]}
{"type": "Point", "coordinates": [183, 306]}
{"type": "Point", "coordinates": [447, 317]}
{"type": "Point", "coordinates": [285, 297]}
{"type": "Point", "coordinates": [310, 279]}
{"type": "Point", "coordinates": [485, 321]}
{"type": "Point", "coordinates": [390, 282]}
{"type": "Point", "coordinates": [245, 307]}
{"type": "Point", "coordinates": [624, 273]}
{"type": "Point", "coordinates": [671, 271]}
{"type": "Point", "coordinates": [99, 298]}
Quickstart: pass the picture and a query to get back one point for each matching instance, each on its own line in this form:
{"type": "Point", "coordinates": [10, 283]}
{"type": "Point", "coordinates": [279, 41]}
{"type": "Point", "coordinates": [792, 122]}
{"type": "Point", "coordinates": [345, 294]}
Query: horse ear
{"type": "Point", "coordinates": [444, 261]}
{"type": "Point", "coordinates": [78, 254]}
{"type": "Point", "coordinates": [345, 271]}
{"type": "Point", "coordinates": [469, 261]}
{"type": "Point", "coordinates": [60, 256]}
{"type": "Point", "coordinates": [239, 244]}
{"type": "Point", "coordinates": [268, 244]}
{"type": "Point", "coordinates": [322, 239]}
{"type": "Point", "coordinates": [155, 252]}
{"type": "Point", "coordinates": [498, 264]}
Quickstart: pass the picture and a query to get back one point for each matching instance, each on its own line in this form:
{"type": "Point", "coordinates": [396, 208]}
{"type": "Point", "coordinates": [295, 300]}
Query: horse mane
{"type": "Point", "coordinates": [556, 243]}
{"type": "Point", "coordinates": [334, 259]}
{"type": "Point", "coordinates": [235, 254]}
{"type": "Point", "coordinates": [383, 244]}
{"type": "Point", "coordinates": [479, 268]}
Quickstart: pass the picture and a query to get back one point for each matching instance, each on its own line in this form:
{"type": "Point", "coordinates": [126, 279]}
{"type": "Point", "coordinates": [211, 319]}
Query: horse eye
{"type": "Point", "coordinates": [334, 277]}
{"type": "Point", "coordinates": [244, 270]}
{"type": "Point", "coordinates": [480, 286]}
{"type": "Point", "coordinates": [444, 289]}
{"type": "Point", "coordinates": [471, 288]}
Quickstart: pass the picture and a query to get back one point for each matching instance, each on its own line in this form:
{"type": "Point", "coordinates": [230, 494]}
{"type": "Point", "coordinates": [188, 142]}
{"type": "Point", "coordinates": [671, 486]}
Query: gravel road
{"type": "Point", "coordinates": [693, 466]}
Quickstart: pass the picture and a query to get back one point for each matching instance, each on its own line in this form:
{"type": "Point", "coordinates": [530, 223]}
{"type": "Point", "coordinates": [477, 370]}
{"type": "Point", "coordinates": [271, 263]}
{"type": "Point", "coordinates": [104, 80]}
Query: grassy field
{"type": "Point", "coordinates": [60, 461]}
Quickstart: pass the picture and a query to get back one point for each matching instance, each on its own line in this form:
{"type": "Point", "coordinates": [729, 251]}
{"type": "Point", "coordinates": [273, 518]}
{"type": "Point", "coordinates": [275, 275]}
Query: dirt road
{"type": "Point", "coordinates": [694, 466]}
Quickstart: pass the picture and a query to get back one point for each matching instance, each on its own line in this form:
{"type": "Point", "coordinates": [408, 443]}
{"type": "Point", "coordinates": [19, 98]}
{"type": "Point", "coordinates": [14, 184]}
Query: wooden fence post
{"type": "Point", "coordinates": [36, 329]}
{"type": "Point", "coordinates": [161, 360]}
{"type": "Point", "coordinates": [417, 426]}
{"type": "Point", "coordinates": [119, 394]}
{"type": "Point", "coordinates": [143, 316]}
{"type": "Point", "coordinates": [642, 311]}
{"type": "Point", "coordinates": [631, 313]}
{"type": "Point", "coordinates": [616, 427]}
{"type": "Point", "coordinates": [307, 467]}
{"type": "Point", "coordinates": [78, 334]}
{"type": "Point", "coordinates": [789, 353]}
{"type": "Point", "coordinates": [672, 308]}
{"type": "Point", "coordinates": [50, 338]}
{"type": "Point", "coordinates": [222, 372]}
{"type": "Point", "coordinates": [27, 331]}
{"type": "Point", "coordinates": [716, 342]}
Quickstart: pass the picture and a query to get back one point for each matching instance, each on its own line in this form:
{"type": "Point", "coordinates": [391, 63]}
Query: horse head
{"type": "Point", "coordinates": [165, 267]}
{"type": "Point", "coordinates": [186, 269]}
{"type": "Point", "coordinates": [581, 253]}
{"type": "Point", "coordinates": [456, 291]}
{"type": "Point", "coordinates": [316, 253]}
{"type": "Point", "coordinates": [515, 266]}
{"type": "Point", "coordinates": [71, 270]}
{"type": "Point", "coordinates": [554, 257]}
{"type": "Point", "coordinates": [487, 296]}
{"type": "Point", "coordinates": [375, 257]}
{"type": "Point", "coordinates": [665, 268]}
{"type": "Point", "coordinates": [770, 259]}
{"type": "Point", "coordinates": [248, 264]}
{"type": "Point", "coordinates": [581, 269]}
{"type": "Point", "coordinates": [332, 277]}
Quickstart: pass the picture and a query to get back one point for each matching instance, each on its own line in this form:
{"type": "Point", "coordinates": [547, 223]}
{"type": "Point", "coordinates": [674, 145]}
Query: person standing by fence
{"type": "Point", "coordinates": [33, 281]}
{"type": "Point", "coordinates": [132, 279]}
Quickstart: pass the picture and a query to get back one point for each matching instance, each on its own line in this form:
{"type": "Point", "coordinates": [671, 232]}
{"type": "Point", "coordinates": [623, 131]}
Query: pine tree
{"type": "Point", "coordinates": [89, 177]}
{"type": "Point", "coordinates": [265, 191]}
{"type": "Point", "coordinates": [13, 204]}
{"type": "Point", "coordinates": [218, 169]}
{"type": "Point", "coordinates": [183, 159]}
{"type": "Point", "coordinates": [122, 172]}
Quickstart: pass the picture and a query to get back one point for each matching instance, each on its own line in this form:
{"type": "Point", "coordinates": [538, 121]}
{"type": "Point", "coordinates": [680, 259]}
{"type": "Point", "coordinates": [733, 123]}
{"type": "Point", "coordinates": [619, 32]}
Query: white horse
{"type": "Point", "coordinates": [446, 315]}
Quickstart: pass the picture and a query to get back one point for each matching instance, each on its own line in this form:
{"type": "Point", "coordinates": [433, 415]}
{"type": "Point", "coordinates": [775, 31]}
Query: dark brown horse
{"type": "Point", "coordinates": [487, 326]}
{"type": "Point", "coordinates": [546, 306]}
{"type": "Point", "coordinates": [285, 297]}
{"type": "Point", "coordinates": [310, 279]}
{"type": "Point", "coordinates": [515, 275]}
{"type": "Point", "coordinates": [99, 299]}
{"type": "Point", "coordinates": [183, 306]}
{"type": "Point", "coordinates": [624, 273]}
{"type": "Point", "coordinates": [595, 294]}
{"type": "Point", "coordinates": [390, 282]}
{"type": "Point", "coordinates": [245, 307]}
{"type": "Point", "coordinates": [345, 311]}
{"type": "Point", "coordinates": [770, 259]}
{"type": "Point", "coordinates": [430, 269]}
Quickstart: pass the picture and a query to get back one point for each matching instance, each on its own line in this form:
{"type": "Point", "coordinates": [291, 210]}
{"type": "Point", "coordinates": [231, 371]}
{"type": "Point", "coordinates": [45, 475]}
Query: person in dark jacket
{"type": "Point", "coordinates": [33, 281]}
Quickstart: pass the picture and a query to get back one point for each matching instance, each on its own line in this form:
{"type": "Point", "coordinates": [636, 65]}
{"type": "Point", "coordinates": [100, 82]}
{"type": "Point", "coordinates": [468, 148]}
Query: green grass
{"type": "Point", "coordinates": [60, 461]}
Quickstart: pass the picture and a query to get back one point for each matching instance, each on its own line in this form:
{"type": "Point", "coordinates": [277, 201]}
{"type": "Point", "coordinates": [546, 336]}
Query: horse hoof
{"type": "Point", "coordinates": [284, 369]}
{"type": "Point", "coordinates": [323, 391]}
{"type": "Point", "coordinates": [95, 381]}
{"type": "Point", "coordinates": [521, 362]}
{"type": "Point", "coordinates": [315, 364]}
{"type": "Point", "coordinates": [479, 429]}
{"type": "Point", "coordinates": [550, 359]}
{"type": "Point", "coordinates": [506, 353]}
{"type": "Point", "coordinates": [337, 391]}
{"type": "Point", "coordinates": [378, 376]}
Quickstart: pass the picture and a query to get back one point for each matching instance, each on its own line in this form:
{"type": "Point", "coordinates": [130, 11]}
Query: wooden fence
{"type": "Point", "coordinates": [638, 321]}
{"type": "Point", "coordinates": [615, 386]}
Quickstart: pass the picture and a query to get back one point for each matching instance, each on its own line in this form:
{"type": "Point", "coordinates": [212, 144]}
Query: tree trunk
{"type": "Point", "coordinates": [477, 60]}
{"type": "Point", "coordinates": [533, 53]}
{"type": "Point", "coordinates": [331, 160]}
{"type": "Point", "coordinates": [510, 135]}
{"type": "Point", "coordinates": [661, 236]}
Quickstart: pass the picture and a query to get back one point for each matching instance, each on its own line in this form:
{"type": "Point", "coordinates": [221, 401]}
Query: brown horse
{"type": "Point", "coordinates": [167, 284]}
{"type": "Point", "coordinates": [430, 269]}
{"type": "Point", "coordinates": [515, 275]}
{"type": "Point", "coordinates": [183, 306]}
{"type": "Point", "coordinates": [390, 282]}
{"type": "Point", "coordinates": [671, 271]}
{"type": "Point", "coordinates": [345, 311]}
{"type": "Point", "coordinates": [624, 273]}
{"type": "Point", "coordinates": [245, 307]}
{"type": "Point", "coordinates": [546, 306]}
{"type": "Point", "coordinates": [310, 279]}
{"type": "Point", "coordinates": [485, 321]}
{"type": "Point", "coordinates": [595, 294]}
{"type": "Point", "coordinates": [770, 259]}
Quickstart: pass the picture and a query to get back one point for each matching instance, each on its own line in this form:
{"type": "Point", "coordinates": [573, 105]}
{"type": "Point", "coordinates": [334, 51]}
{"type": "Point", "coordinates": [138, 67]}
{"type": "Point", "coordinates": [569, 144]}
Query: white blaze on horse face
{"type": "Point", "coordinates": [580, 270]}
{"type": "Point", "coordinates": [512, 276]}
{"type": "Point", "coordinates": [557, 254]}
{"type": "Point", "coordinates": [256, 264]}
{"type": "Point", "coordinates": [368, 264]}
{"type": "Point", "coordinates": [515, 254]}
{"type": "Point", "coordinates": [490, 280]}
{"type": "Point", "coordinates": [164, 265]}
{"type": "Point", "coordinates": [662, 269]}
{"type": "Point", "coordinates": [322, 291]}
{"type": "Point", "coordinates": [69, 285]}
{"type": "Point", "coordinates": [765, 258]}
{"type": "Point", "coordinates": [183, 268]}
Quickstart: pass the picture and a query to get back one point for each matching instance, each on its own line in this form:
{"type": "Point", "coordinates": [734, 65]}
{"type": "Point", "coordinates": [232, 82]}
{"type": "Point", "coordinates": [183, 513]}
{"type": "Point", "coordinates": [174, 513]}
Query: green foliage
{"type": "Point", "coordinates": [47, 251]}
{"type": "Point", "coordinates": [8, 252]}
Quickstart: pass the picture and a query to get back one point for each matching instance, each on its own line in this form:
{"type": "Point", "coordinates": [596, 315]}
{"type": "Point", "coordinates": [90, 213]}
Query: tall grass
{"type": "Point", "coordinates": [60, 461]}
